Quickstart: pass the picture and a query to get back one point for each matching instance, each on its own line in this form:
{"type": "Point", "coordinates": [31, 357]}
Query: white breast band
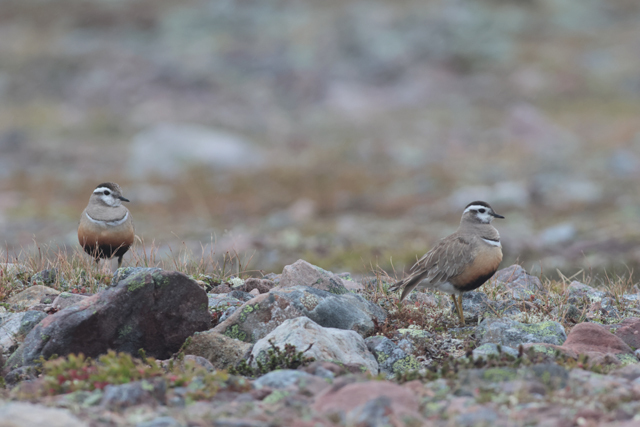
{"type": "Point", "coordinates": [109, 223]}
{"type": "Point", "coordinates": [492, 242]}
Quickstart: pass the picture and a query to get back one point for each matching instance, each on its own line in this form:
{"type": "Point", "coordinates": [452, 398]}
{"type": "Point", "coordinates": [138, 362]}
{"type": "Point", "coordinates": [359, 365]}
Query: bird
{"type": "Point", "coordinates": [460, 262]}
{"type": "Point", "coordinates": [106, 228]}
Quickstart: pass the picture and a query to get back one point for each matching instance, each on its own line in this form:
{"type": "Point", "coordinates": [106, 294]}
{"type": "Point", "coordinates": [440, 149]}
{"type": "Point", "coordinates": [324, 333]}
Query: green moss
{"type": "Point", "coordinates": [382, 357]}
{"type": "Point", "coordinates": [414, 333]}
{"type": "Point", "coordinates": [499, 374]}
{"type": "Point", "coordinates": [276, 396]}
{"type": "Point", "coordinates": [408, 363]}
{"type": "Point", "coordinates": [134, 285]}
{"type": "Point", "coordinates": [160, 279]}
{"type": "Point", "coordinates": [627, 359]}
{"type": "Point", "coordinates": [124, 331]}
{"type": "Point", "coordinates": [235, 333]}
{"type": "Point", "coordinates": [246, 310]}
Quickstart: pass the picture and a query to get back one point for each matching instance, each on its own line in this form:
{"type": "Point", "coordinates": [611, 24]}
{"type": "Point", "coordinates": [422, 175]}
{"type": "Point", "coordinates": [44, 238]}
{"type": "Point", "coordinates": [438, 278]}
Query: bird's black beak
{"type": "Point", "coordinates": [124, 199]}
{"type": "Point", "coordinates": [495, 215]}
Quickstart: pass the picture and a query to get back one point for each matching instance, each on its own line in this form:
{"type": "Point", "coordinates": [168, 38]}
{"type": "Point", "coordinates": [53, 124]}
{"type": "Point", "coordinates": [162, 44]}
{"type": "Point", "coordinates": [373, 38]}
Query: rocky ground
{"type": "Point", "coordinates": [308, 347]}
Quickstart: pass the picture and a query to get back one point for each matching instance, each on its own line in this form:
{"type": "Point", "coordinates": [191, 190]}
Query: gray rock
{"type": "Point", "coordinates": [20, 374]}
{"type": "Point", "coordinates": [578, 290]}
{"type": "Point", "coordinates": [521, 285]}
{"type": "Point", "coordinates": [23, 414]}
{"type": "Point", "coordinates": [474, 306]}
{"type": "Point", "coordinates": [124, 272]}
{"type": "Point", "coordinates": [488, 349]}
{"type": "Point", "coordinates": [161, 422]}
{"type": "Point", "coordinates": [240, 295]}
{"type": "Point", "coordinates": [45, 277]}
{"type": "Point", "coordinates": [261, 315]}
{"type": "Point", "coordinates": [391, 359]}
{"type": "Point", "coordinates": [510, 333]}
{"type": "Point", "coordinates": [281, 378]}
{"type": "Point", "coordinates": [218, 349]}
{"type": "Point", "coordinates": [328, 344]}
{"type": "Point", "coordinates": [135, 393]}
{"type": "Point", "coordinates": [15, 326]}
{"type": "Point", "coordinates": [227, 313]}
{"type": "Point", "coordinates": [154, 311]}
{"type": "Point", "coordinates": [67, 299]}
{"type": "Point", "coordinates": [301, 273]}
{"type": "Point", "coordinates": [155, 150]}
{"type": "Point", "coordinates": [219, 303]}
{"type": "Point", "coordinates": [31, 296]}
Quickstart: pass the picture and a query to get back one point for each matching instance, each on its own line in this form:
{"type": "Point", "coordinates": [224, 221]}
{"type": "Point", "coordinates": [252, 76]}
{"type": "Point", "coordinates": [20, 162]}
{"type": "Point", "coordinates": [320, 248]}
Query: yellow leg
{"type": "Point", "coordinates": [458, 303]}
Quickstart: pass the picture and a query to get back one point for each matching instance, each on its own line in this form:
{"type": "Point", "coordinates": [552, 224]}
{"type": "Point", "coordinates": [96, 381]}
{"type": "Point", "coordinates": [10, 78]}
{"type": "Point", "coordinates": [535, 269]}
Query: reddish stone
{"type": "Point", "coordinates": [352, 396]}
{"type": "Point", "coordinates": [629, 332]}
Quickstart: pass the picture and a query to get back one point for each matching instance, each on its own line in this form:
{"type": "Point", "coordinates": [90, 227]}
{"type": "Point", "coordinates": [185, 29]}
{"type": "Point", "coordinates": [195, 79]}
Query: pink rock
{"type": "Point", "coordinates": [353, 397]}
{"type": "Point", "coordinates": [592, 340]}
{"type": "Point", "coordinates": [629, 332]}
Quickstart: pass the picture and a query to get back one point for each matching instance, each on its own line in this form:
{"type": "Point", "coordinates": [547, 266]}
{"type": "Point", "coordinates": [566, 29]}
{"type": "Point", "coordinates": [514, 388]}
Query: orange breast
{"type": "Point", "coordinates": [484, 265]}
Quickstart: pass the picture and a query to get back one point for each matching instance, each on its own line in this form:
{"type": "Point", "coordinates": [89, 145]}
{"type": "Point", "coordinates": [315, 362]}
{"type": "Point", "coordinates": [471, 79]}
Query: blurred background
{"type": "Point", "coordinates": [348, 133]}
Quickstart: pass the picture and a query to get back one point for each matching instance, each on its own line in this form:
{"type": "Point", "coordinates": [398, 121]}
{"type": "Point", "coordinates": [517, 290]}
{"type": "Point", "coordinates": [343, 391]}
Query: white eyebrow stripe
{"type": "Point", "coordinates": [492, 242]}
{"type": "Point", "coordinates": [109, 223]}
{"type": "Point", "coordinates": [101, 189]}
{"type": "Point", "coordinates": [475, 208]}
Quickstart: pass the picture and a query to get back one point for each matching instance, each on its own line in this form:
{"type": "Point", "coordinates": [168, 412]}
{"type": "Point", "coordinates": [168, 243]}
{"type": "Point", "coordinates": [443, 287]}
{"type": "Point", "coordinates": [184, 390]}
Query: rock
{"type": "Point", "coordinates": [629, 332]}
{"type": "Point", "coordinates": [391, 359]}
{"type": "Point", "coordinates": [489, 349]}
{"type": "Point", "coordinates": [218, 349]}
{"type": "Point", "coordinates": [329, 344]}
{"type": "Point", "coordinates": [45, 277]}
{"type": "Point", "coordinates": [519, 283]}
{"type": "Point", "coordinates": [261, 285]}
{"type": "Point", "coordinates": [227, 313]}
{"type": "Point", "coordinates": [31, 296]}
{"type": "Point", "coordinates": [155, 311]}
{"type": "Point", "coordinates": [23, 414]}
{"type": "Point", "coordinates": [349, 283]}
{"type": "Point", "coordinates": [154, 150]}
{"type": "Point", "coordinates": [18, 375]}
{"type": "Point", "coordinates": [261, 315]}
{"type": "Point", "coordinates": [510, 333]}
{"type": "Point", "coordinates": [241, 296]}
{"type": "Point", "coordinates": [594, 341]}
{"type": "Point", "coordinates": [12, 269]}
{"type": "Point", "coordinates": [219, 303]}
{"type": "Point", "coordinates": [474, 306]}
{"type": "Point", "coordinates": [579, 292]}
{"type": "Point", "coordinates": [161, 422]}
{"type": "Point", "coordinates": [67, 299]}
{"type": "Point", "coordinates": [301, 273]}
{"type": "Point", "coordinates": [358, 401]}
{"type": "Point", "coordinates": [134, 393]}
{"type": "Point", "coordinates": [15, 326]}
{"type": "Point", "coordinates": [124, 272]}
{"type": "Point", "coordinates": [281, 378]}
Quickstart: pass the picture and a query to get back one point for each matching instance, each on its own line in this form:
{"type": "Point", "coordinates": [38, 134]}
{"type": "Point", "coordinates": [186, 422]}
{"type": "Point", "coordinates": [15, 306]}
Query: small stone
{"type": "Point", "coordinates": [67, 299]}
{"type": "Point", "coordinates": [519, 283]}
{"type": "Point", "coordinates": [328, 344]}
{"type": "Point", "coordinates": [218, 349]}
{"type": "Point", "coordinates": [302, 273]}
{"type": "Point", "coordinates": [629, 332]}
{"type": "Point", "coordinates": [391, 359]}
{"type": "Point", "coordinates": [31, 296]}
{"type": "Point", "coordinates": [45, 277]}
{"type": "Point", "coordinates": [489, 349]}
{"type": "Point", "coordinates": [281, 378]}
{"type": "Point", "coordinates": [510, 333]}
{"type": "Point", "coordinates": [23, 414]}
{"type": "Point", "coordinates": [261, 285]}
{"type": "Point", "coordinates": [135, 393]}
{"type": "Point", "coordinates": [254, 292]}
{"type": "Point", "coordinates": [161, 422]}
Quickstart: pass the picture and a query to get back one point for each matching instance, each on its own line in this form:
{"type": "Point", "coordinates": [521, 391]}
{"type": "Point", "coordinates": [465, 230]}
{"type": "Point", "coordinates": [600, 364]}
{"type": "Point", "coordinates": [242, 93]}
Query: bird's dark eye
{"type": "Point", "coordinates": [106, 192]}
{"type": "Point", "coordinates": [481, 210]}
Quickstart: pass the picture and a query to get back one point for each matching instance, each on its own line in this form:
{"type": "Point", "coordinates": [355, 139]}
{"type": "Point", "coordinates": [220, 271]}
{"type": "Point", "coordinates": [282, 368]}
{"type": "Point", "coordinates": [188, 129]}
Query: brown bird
{"type": "Point", "coordinates": [106, 229]}
{"type": "Point", "coordinates": [462, 261]}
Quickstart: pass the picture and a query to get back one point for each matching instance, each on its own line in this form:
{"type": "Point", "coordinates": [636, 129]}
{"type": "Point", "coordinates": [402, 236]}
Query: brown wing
{"type": "Point", "coordinates": [446, 260]}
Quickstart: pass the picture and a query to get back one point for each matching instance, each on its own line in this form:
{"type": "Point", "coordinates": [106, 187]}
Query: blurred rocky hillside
{"type": "Point", "coordinates": [343, 132]}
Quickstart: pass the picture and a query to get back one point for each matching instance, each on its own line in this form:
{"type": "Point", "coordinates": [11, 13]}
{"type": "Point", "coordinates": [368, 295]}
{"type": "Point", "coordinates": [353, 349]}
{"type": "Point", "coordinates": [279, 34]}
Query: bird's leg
{"type": "Point", "coordinates": [455, 303]}
{"type": "Point", "coordinates": [460, 312]}
{"type": "Point", "coordinates": [120, 261]}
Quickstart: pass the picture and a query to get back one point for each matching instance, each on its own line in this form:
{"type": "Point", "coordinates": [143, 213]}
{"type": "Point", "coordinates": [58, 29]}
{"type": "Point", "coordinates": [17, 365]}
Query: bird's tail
{"type": "Point", "coordinates": [408, 283]}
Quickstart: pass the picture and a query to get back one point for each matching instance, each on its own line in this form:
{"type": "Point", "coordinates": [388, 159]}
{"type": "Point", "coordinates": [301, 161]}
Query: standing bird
{"type": "Point", "coordinates": [106, 228]}
{"type": "Point", "coordinates": [462, 261]}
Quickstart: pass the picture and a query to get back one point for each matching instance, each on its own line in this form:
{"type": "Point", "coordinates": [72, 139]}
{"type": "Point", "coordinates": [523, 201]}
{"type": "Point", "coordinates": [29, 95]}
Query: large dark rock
{"type": "Point", "coordinates": [151, 309]}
